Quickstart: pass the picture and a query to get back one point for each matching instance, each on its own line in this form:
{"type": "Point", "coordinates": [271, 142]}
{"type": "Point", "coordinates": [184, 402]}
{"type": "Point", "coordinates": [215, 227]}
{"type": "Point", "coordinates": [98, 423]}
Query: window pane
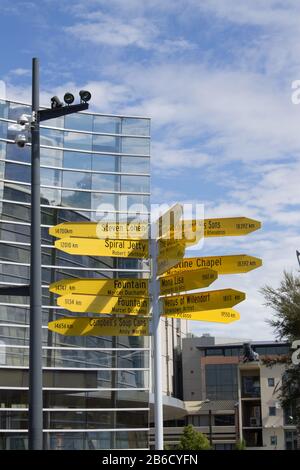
{"type": "Point", "coordinates": [135, 165]}
{"type": "Point", "coordinates": [106, 124]}
{"type": "Point", "coordinates": [15, 110]}
{"type": "Point", "coordinates": [103, 203]}
{"type": "Point", "coordinates": [134, 203]}
{"type": "Point", "coordinates": [75, 140]}
{"type": "Point", "coordinates": [271, 381]}
{"type": "Point", "coordinates": [17, 172]}
{"type": "Point", "coordinates": [135, 146]}
{"type": "Point", "coordinates": [51, 196]}
{"type": "Point", "coordinates": [51, 157]}
{"type": "Point", "coordinates": [105, 182]}
{"type": "Point", "coordinates": [136, 126]}
{"type": "Point", "coordinates": [79, 122]}
{"type": "Point", "coordinates": [76, 180]}
{"type": "Point", "coordinates": [139, 184]}
{"type": "Point", "coordinates": [3, 109]}
{"type": "Point", "coordinates": [2, 150]}
{"type": "Point", "coordinates": [3, 130]}
{"type": "Point", "coordinates": [76, 160]}
{"type": "Point", "coordinates": [76, 199]}
{"type": "Point", "coordinates": [104, 162]}
{"type": "Point", "coordinates": [50, 177]}
{"type": "Point", "coordinates": [106, 143]}
{"type": "Point", "coordinates": [18, 154]}
{"type": "Point", "coordinates": [51, 138]}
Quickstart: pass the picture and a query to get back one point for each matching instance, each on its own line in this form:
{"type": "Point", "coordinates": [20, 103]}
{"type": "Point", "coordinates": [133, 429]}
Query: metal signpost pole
{"type": "Point", "coordinates": [35, 331]}
{"type": "Point", "coordinates": [157, 359]}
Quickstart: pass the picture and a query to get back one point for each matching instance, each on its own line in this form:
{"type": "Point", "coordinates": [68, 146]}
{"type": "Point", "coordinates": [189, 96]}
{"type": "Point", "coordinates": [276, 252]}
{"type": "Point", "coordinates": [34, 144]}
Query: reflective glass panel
{"type": "Point", "coordinates": [2, 150]}
{"type": "Point", "coordinates": [135, 164]}
{"type": "Point", "coordinates": [77, 160]}
{"type": "Point", "coordinates": [50, 177]}
{"type": "Point", "coordinates": [135, 146]}
{"type": "Point", "coordinates": [106, 143]}
{"type": "Point", "coordinates": [104, 162]}
{"type": "Point", "coordinates": [139, 184]}
{"type": "Point", "coordinates": [79, 122]}
{"type": "Point", "coordinates": [50, 196]}
{"type": "Point", "coordinates": [106, 124]}
{"type": "Point", "coordinates": [105, 182]}
{"type": "Point", "coordinates": [17, 172]}
{"type": "Point", "coordinates": [15, 110]}
{"type": "Point", "coordinates": [102, 203]}
{"type": "Point", "coordinates": [3, 130]}
{"type": "Point", "coordinates": [51, 157]}
{"type": "Point", "coordinates": [76, 199]}
{"type": "Point", "coordinates": [3, 109]}
{"type": "Point", "coordinates": [51, 137]}
{"type": "Point", "coordinates": [135, 126]}
{"type": "Point", "coordinates": [76, 180]}
{"type": "Point", "coordinates": [134, 203]}
{"type": "Point", "coordinates": [18, 154]}
{"type": "Point", "coordinates": [79, 141]}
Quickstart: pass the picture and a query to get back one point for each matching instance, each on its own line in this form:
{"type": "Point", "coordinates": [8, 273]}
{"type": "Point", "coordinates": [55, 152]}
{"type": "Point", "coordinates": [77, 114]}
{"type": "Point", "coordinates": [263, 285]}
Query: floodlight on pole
{"type": "Point", "coordinates": [68, 98]}
{"type": "Point", "coordinates": [85, 95]}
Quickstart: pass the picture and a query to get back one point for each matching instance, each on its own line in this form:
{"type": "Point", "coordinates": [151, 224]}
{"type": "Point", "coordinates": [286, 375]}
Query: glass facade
{"type": "Point", "coordinates": [221, 381]}
{"type": "Point", "coordinates": [96, 389]}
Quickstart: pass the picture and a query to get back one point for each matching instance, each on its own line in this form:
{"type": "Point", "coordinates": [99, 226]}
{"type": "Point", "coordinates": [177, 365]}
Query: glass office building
{"type": "Point", "coordinates": [95, 389]}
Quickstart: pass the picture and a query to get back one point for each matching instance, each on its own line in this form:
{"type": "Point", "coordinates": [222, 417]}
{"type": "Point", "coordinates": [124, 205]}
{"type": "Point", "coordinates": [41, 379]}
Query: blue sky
{"type": "Point", "coordinates": [215, 77]}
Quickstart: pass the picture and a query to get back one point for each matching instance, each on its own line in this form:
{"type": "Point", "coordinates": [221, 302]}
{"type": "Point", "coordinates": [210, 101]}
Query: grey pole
{"type": "Point", "coordinates": [35, 331]}
{"type": "Point", "coordinates": [157, 359]}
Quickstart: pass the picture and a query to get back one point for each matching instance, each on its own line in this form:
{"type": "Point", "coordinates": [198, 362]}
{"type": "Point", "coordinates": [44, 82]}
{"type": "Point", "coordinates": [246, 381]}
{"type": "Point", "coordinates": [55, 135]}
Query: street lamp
{"type": "Point", "coordinates": [35, 415]}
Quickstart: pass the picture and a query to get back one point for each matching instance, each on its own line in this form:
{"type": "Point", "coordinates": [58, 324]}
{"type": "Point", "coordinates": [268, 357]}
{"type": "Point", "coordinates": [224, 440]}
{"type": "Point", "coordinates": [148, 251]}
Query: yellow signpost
{"type": "Point", "coordinates": [112, 230]}
{"type": "Point", "coordinates": [230, 264]}
{"type": "Point", "coordinates": [208, 300]}
{"type": "Point", "coordinates": [227, 315]}
{"type": "Point", "coordinates": [97, 247]}
{"type": "Point", "coordinates": [114, 287]}
{"type": "Point", "coordinates": [104, 304]}
{"type": "Point", "coordinates": [187, 280]}
{"type": "Point", "coordinates": [83, 326]}
{"type": "Point", "coordinates": [193, 230]}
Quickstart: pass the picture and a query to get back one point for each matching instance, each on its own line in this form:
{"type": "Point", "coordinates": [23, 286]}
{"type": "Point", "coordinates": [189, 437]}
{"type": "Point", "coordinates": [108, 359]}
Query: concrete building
{"type": "Point", "coordinates": [232, 400]}
{"type": "Point", "coordinates": [96, 389]}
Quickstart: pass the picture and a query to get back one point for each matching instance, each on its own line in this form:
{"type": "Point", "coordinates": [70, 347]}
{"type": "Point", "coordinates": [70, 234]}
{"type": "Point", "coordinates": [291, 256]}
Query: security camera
{"type": "Point", "coordinates": [21, 140]}
{"type": "Point", "coordinates": [24, 119]}
{"type": "Point", "coordinates": [55, 102]}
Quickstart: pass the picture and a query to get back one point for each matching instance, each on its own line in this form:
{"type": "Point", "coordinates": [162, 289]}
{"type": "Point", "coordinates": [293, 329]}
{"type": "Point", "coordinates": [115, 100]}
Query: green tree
{"type": "Point", "coordinates": [285, 301]}
{"type": "Point", "coordinates": [193, 440]}
{"type": "Point", "coordinates": [240, 445]}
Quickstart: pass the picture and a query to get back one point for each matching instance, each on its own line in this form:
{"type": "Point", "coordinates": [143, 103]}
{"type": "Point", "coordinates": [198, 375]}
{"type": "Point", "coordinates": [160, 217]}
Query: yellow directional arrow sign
{"type": "Point", "coordinates": [227, 315]}
{"type": "Point", "coordinates": [112, 287]}
{"type": "Point", "coordinates": [232, 264]}
{"type": "Point", "coordinates": [86, 326]}
{"type": "Point", "coordinates": [104, 304]}
{"type": "Point", "coordinates": [209, 300]}
{"type": "Point", "coordinates": [114, 248]}
{"type": "Point", "coordinates": [193, 230]}
{"type": "Point", "coordinates": [123, 230]}
{"type": "Point", "coordinates": [188, 280]}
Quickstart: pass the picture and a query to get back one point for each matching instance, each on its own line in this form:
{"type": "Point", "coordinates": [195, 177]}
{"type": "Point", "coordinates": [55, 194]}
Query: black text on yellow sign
{"type": "Point", "coordinates": [113, 287]}
{"type": "Point", "coordinates": [188, 280]}
{"type": "Point", "coordinates": [87, 326]}
{"type": "Point", "coordinates": [232, 264]}
{"type": "Point", "coordinates": [123, 230]}
{"type": "Point", "coordinates": [113, 248]}
{"type": "Point", "coordinates": [208, 300]}
{"type": "Point", "coordinates": [104, 304]}
{"type": "Point", "coordinates": [227, 315]}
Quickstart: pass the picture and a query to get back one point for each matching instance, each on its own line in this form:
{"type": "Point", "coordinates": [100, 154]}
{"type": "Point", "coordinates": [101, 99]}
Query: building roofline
{"type": "Point", "coordinates": [83, 112]}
